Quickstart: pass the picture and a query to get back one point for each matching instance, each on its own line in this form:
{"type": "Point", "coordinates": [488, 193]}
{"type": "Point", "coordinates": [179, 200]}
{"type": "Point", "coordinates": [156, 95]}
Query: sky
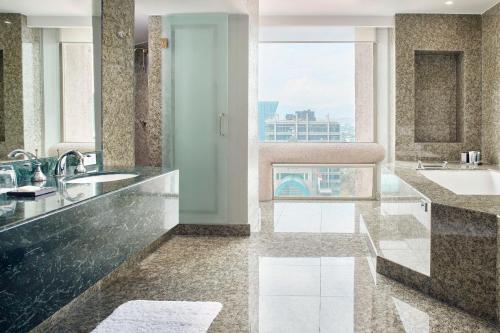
{"type": "Point", "coordinates": [316, 76]}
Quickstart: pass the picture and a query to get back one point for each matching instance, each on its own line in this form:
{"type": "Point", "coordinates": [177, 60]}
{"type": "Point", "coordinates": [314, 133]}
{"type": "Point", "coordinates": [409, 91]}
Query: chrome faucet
{"type": "Point", "coordinates": [38, 176]}
{"type": "Point", "coordinates": [422, 166]}
{"type": "Point", "coordinates": [61, 169]}
{"type": "Point", "coordinates": [20, 152]}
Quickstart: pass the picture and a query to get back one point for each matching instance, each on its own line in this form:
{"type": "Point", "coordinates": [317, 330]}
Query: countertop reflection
{"type": "Point", "coordinates": [14, 211]}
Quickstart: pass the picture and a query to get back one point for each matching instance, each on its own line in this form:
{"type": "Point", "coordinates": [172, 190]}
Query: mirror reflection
{"type": "Point", "coordinates": [49, 76]}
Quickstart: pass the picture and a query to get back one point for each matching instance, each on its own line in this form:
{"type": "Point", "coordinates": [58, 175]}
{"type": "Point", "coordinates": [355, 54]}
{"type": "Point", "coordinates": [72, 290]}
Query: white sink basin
{"type": "Point", "coordinates": [466, 182]}
{"type": "Point", "coordinates": [100, 178]}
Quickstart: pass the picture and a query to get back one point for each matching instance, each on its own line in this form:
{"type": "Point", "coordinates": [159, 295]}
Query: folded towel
{"type": "Point", "coordinates": [160, 316]}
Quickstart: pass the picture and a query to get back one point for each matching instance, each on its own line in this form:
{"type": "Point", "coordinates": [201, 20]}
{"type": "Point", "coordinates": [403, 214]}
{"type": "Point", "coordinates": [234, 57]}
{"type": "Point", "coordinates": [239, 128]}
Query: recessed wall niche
{"type": "Point", "coordinates": [438, 96]}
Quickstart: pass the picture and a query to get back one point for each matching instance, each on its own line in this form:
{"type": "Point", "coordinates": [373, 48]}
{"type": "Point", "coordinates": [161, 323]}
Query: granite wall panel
{"type": "Point", "coordinates": [154, 119]}
{"type": "Point", "coordinates": [141, 104]}
{"type": "Point", "coordinates": [491, 85]}
{"type": "Point", "coordinates": [21, 116]}
{"type": "Point", "coordinates": [437, 90]}
{"type": "Point", "coordinates": [12, 120]}
{"type": "Point", "coordinates": [464, 259]}
{"type": "Point", "coordinates": [437, 33]}
{"type": "Point", "coordinates": [148, 117]}
{"type": "Point", "coordinates": [33, 119]}
{"type": "Point", "coordinates": [118, 82]}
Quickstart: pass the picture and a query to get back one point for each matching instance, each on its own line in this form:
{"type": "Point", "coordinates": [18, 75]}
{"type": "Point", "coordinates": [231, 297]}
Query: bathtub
{"type": "Point", "coordinates": [466, 182]}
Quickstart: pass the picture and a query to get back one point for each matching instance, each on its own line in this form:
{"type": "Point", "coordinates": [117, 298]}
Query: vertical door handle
{"type": "Point", "coordinates": [221, 120]}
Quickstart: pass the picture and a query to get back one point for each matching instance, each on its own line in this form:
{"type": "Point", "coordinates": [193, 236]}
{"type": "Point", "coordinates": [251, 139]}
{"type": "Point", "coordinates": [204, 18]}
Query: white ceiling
{"type": "Point", "coordinates": [49, 7]}
{"type": "Point", "coordinates": [145, 8]}
{"type": "Point", "coordinates": [267, 7]}
{"type": "Point", "coordinates": [371, 7]}
{"type": "Point", "coordinates": [164, 7]}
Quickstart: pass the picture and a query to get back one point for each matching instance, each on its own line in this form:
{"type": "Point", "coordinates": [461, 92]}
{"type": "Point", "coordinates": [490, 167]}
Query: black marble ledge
{"type": "Point", "coordinates": [55, 255]}
{"type": "Point", "coordinates": [15, 211]}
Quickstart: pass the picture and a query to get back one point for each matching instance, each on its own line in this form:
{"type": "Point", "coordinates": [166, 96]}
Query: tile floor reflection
{"type": "Point", "coordinates": [321, 287]}
{"type": "Point", "coordinates": [315, 217]}
{"type": "Point", "coordinates": [278, 282]}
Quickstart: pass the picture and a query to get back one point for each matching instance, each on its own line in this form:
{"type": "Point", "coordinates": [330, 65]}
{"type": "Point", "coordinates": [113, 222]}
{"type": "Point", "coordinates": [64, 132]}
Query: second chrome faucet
{"type": "Point", "coordinates": [38, 175]}
{"type": "Point", "coordinates": [61, 165]}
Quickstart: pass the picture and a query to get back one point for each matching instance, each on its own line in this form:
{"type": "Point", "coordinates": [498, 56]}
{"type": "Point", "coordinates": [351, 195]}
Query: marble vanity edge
{"type": "Point", "coordinates": [120, 271]}
{"type": "Point", "coordinates": [83, 201]}
{"type": "Point", "coordinates": [225, 230]}
{"type": "Point", "coordinates": [404, 275]}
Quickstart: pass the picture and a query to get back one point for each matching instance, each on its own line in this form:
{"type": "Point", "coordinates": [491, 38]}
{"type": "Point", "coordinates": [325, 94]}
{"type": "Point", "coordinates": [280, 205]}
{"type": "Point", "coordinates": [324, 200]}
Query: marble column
{"type": "Point", "coordinates": [118, 82]}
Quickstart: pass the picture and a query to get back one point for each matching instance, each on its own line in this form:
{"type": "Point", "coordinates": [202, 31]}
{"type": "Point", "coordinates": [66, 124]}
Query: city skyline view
{"type": "Point", "coordinates": [309, 76]}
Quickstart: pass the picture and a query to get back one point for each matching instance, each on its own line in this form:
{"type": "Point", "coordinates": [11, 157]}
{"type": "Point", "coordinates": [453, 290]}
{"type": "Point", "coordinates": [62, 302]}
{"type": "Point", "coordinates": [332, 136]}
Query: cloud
{"type": "Point", "coordinates": [308, 76]}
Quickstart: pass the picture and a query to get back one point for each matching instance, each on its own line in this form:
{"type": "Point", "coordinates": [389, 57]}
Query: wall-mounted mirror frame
{"type": "Point", "coordinates": [50, 76]}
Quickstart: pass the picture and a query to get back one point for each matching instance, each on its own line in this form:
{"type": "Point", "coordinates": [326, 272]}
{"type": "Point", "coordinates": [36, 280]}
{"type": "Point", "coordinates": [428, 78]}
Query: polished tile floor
{"type": "Point", "coordinates": [308, 268]}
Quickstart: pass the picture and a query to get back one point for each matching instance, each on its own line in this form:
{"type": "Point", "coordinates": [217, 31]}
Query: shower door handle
{"type": "Point", "coordinates": [221, 123]}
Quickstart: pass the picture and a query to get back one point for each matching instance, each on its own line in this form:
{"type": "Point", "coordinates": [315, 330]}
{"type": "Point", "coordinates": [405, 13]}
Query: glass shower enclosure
{"type": "Point", "coordinates": [195, 113]}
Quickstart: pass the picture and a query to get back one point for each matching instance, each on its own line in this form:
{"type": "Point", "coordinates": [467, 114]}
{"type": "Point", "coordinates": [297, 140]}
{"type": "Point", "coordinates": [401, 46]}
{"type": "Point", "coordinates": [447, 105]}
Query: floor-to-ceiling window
{"type": "Point", "coordinates": [316, 85]}
{"type": "Point", "coordinates": [307, 92]}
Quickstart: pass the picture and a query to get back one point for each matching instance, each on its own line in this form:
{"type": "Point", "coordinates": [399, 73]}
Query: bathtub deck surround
{"type": "Point", "coordinates": [56, 247]}
{"type": "Point", "coordinates": [466, 182]}
{"type": "Point", "coordinates": [465, 237]}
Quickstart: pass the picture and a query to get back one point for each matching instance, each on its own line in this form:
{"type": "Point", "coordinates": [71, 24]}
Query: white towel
{"type": "Point", "coordinates": [160, 316]}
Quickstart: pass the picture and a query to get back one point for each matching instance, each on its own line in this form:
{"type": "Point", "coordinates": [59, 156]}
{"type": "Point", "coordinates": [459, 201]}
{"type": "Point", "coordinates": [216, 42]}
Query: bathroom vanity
{"type": "Point", "coordinates": [55, 247]}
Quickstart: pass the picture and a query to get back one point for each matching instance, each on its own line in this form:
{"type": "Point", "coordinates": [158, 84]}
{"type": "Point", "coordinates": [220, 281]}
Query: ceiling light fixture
{"type": "Point", "coordinates": [448, 3]}
{"type": "Point", "coordinates": [7, 22]}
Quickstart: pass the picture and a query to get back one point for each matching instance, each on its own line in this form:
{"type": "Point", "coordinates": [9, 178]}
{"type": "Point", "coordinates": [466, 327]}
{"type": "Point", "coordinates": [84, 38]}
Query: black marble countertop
{"type": "Point", "coordinates": [489, 204]}
{"type": "Point", "coordinates": [15, 211]}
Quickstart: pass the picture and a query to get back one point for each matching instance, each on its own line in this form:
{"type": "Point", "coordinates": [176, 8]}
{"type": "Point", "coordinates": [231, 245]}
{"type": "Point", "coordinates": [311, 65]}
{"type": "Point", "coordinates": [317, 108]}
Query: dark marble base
{"type": "Point", "coordinates": [213, 230]}
{"type": "Point", "coordinates": [120, 272]}
{"type": "Point", "coordinates": [47, 262]}
{"type": "Point", "coordinates": [404, 275]}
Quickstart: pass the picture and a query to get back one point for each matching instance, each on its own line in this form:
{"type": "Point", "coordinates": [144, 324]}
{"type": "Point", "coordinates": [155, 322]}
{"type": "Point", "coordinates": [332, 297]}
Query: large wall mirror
{"type": "Point", "coordinates": [50, 85]}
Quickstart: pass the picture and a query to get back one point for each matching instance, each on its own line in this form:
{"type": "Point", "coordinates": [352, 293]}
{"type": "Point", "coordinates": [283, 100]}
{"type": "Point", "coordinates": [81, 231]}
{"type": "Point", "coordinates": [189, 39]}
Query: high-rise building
{"type": "Point", "coordinates": [302, 126]}
{"type": "Point", "coordinates": [267, 110]}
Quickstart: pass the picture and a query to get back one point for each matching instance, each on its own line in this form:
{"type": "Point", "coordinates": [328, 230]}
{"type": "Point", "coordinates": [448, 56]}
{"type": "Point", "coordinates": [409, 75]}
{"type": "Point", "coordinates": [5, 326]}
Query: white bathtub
{"type": "Point", "coordinates": [466, 182]}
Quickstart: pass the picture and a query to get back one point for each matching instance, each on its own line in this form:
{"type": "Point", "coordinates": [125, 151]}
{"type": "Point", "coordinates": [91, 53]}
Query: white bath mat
{"type": "Point", "coordinates": [160, 316]}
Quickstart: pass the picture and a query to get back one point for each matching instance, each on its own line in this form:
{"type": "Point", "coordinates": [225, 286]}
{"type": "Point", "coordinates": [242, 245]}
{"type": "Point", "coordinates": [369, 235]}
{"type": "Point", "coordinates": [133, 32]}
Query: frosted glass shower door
{"type": "Point", "coordinates": [195, 76]}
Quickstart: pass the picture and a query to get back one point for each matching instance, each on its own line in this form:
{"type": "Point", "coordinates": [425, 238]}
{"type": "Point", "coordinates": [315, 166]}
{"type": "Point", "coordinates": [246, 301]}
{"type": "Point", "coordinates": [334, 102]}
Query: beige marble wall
{"type": "Point", "coordinates": [118, 82]}
{"type": "Point", "coordinates": [21, 118]}
{"type": "Point", "coordinates": [443, 33]}
{"type": "Point", "coordinates": [148, 116]}
{"type": "Point", "coordinates": [33, 120]}
{"type": "Point", "coordinates": [11, 44]}
{"type": "Point", "coordinates": [437, 91]}
{"type": "Point", "coordinates": [154, 120]}
{"type": "Point", "coordinates": [141, 105]}
{"type": "Point", "coordinates": [364, 92]}
{"type": "Point", "coordinates": [491, 85]}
